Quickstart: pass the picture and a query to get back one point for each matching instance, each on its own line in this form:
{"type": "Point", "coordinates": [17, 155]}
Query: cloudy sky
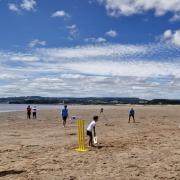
{"type": "Point", "coordinates": [85, 48]}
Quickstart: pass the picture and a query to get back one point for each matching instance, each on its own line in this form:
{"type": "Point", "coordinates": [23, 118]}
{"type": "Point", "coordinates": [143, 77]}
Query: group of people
{"type": "Point", "coordinates": [31, 110]}
{"type": "Point", "coordinates": [91, 128]}
{"type": "Point", "coordinates": [90, 131]}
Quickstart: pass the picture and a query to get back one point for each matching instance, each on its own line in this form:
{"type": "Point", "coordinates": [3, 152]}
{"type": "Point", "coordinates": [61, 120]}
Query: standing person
{"type": "Point", "coordinates": [64, 114]}
{"type": "Point", "coordinates": [101, 110]}
{"type": "Point", "coordinates": [102, 113]}
{"type": "Point", "coordinates": [34, 112]}
{"type": "Point", "coordinates": [131, 114]}
{"type": "Point", "coordinates": [29, 112]}
{"type": "Point", "coordinates": [92, 127]}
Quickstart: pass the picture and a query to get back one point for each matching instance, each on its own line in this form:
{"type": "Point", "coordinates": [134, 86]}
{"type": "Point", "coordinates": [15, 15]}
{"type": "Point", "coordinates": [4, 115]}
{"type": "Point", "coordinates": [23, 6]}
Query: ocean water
{"type": "Point", "coordinates": [22, 107]}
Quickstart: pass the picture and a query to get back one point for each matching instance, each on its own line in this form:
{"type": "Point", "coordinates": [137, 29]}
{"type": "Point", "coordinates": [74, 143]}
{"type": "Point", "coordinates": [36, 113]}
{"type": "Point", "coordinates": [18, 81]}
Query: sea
{"type": "Point", "coordinates": [22, 107]}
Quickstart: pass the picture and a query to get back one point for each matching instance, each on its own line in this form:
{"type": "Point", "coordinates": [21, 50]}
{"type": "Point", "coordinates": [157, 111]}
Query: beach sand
{"type": "Point", "coordinates": [42, 149]}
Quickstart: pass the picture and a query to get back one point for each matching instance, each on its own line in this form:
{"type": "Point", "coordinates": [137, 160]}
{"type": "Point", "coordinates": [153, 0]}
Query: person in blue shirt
{"type": "Point", "coordinates": [64, 114]}
{"type": "Point", "coordinates": [131, 114]}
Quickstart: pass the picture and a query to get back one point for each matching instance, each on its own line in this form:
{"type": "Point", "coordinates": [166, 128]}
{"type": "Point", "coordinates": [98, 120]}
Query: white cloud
{"type": "Point", "coordinates": [17, 57]}
{"type": "Point", "coordinates": [171, 37]}
{"type": "Point", "coordinates": [94, 70]}
{"type": "Point", "coordinates": [95, 40]}
{"type": "Point", "coordinates": [175, 18]}
{"type": "Point", "coordinates": [74, 26]}
{"type": "Point", "coordinates": [36, 42]}
{"type": "Point", "coordinates": [28, 5]}
{"type": "Point", "coordinates": [126, 69]}
{"type": "Point", "coordinates": [100, 40]}
{"type": "Point", "coordinates": [92, 51]}
{"type": "Point", "coordinates": [8, 76]}
{"type": "Point", "coordinates": [73, 31]}
{"type": "Point", "coordinates": [112, 33]}
{"type": "Point", "coordinates": [60, 13]}
{"type": "Point", "coordinates": [129, 7]}
{"type": "Point", "coordinates": [13, 7]}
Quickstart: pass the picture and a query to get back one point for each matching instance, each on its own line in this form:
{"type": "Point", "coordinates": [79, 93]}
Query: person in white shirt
{"type": "Point", "coordinates": [90, 129]}
{"type": "Point", "coordinates": [34, 112]}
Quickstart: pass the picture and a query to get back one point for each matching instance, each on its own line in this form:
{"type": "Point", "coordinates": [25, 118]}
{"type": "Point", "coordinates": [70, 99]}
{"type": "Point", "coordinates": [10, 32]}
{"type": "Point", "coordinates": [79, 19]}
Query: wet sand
{"type": "Point", "coordinates": [42, 149]}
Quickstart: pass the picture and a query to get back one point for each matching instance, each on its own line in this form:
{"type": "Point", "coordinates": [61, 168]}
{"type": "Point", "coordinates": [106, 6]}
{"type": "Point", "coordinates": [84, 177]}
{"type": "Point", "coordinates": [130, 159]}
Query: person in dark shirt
{"type": "Point", "coordinates": [29, 112]}
{"type": "Point", "coordinates": [64, 114]}
{"type": "Point", "coordinates": [131, 114]}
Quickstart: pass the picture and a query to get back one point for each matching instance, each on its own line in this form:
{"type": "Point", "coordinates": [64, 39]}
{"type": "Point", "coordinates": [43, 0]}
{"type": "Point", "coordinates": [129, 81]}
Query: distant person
{"type": "Point", "coordinates": [90, 129]}
{"type": "Point", "coordinates": [102, 114]}
{"type": "Point", "coordinates": [34, 112]}
{"type": "Point", "coordinates": [131, 114]}
{"type": "Point", "coordinates": [101, 110]}
{"type": "Point", "coordinates": [29, 112]}
{"type": "Point", "coordinates": [64, 114]}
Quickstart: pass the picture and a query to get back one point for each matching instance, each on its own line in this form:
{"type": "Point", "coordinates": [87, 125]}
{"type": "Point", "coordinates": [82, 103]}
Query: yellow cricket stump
{"type": "Point", "coordinates": [81, 136]}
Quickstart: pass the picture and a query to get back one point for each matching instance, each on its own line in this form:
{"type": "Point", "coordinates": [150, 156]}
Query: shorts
{"type": "Point", "coordinates": [64, 118]}
{"type": "Point", "coordinates": [89, 133]}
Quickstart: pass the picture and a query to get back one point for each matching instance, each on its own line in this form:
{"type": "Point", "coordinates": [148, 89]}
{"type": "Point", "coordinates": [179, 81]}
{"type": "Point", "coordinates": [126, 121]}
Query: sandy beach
{"type": "Point", "coordinates": [42, 149]}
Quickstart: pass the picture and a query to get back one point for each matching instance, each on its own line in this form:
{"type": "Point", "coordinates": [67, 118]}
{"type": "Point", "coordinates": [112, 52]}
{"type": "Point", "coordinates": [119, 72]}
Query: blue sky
{"type": "Point", "coordinates": [83, 48]}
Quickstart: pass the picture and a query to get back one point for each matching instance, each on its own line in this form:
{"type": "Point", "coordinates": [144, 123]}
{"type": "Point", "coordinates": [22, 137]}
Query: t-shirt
{"type": "Point", "coordinates": [131, 112]}
{"type": "Point", "coordinates": [34, 110]}
{"type": "Point", "coordinates": [28, 109]}
{"type": "Point", "coordinates": [91, 126]}
{"type": "Point", "coordinates": [64, 112]}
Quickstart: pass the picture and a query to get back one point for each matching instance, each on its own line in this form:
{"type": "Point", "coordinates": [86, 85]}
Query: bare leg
{"type": "Point", "coordinates": [90, 141]}
{"type": "Point", "coordinates": [133, 119]}
{"type": "Point", "coordinates": [64, 123]}
{"type": "Point", "coordinates": [129, 119]}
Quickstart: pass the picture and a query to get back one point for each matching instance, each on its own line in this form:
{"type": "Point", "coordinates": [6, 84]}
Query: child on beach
{"type": "Point", "coordinates": [29, 112]}
{"type": "Point", "coordinates": [34, 112]}
{"type": "Point", "coordinates": [64, 114]}
{"type": "Point", "coordinates": [131, 114]}
{"type": "Point", "coordinates": [90, 129]}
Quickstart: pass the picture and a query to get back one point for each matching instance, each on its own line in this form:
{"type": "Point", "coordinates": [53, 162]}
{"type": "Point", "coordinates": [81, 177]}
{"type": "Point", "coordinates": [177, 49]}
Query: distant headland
{"type": "Point", "coordinates": [87, 100]}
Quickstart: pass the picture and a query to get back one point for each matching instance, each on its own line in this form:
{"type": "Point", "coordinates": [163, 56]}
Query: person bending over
{"type": "Point", "coordinates": [92, 128]}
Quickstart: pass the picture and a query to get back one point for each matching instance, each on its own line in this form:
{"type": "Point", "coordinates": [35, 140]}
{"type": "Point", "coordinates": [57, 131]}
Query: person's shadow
{"type": "Point", "coordinates": [103, 146]}
{"type": "Point", "coordinates": [10, 172]}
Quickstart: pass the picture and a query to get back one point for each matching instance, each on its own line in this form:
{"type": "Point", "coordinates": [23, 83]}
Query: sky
{"type": "Point", "coordinates": [90, 48]}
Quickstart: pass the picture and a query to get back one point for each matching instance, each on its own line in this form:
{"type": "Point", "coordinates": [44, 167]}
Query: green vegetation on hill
{"type": "Point", "coordinates": [87, 100]}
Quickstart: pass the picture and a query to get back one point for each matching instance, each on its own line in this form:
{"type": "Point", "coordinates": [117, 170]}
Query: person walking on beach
{"type": "Point", "coordinates": [64, 114]}
{"type": "Point", "coordinates": [29, 112]}
{"type": "Point", "coordinates": [101, 110]}
{"type": "Point", "coordinates": [34, 112]}
{"type": "Point", "coordinates": [131, 114]}
{"type": "Point", "coordinates": [90, 129]}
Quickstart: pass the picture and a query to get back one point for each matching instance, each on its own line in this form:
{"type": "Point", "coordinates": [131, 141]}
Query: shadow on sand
{"type": "Point", "coordinates": [104, 146]}
{"type": "Point", "coordinates": [10, 172]}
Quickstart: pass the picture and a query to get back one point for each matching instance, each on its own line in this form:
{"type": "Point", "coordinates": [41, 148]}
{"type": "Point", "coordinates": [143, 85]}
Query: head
{"type": "Point", "coordinates": [65, 106]}
{"type": "Point", "coordinates": [95, 118]}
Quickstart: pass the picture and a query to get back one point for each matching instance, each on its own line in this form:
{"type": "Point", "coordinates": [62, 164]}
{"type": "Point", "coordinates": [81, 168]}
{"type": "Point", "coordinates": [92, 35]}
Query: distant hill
{"type": "Point", "coordinates": [87, 100]}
